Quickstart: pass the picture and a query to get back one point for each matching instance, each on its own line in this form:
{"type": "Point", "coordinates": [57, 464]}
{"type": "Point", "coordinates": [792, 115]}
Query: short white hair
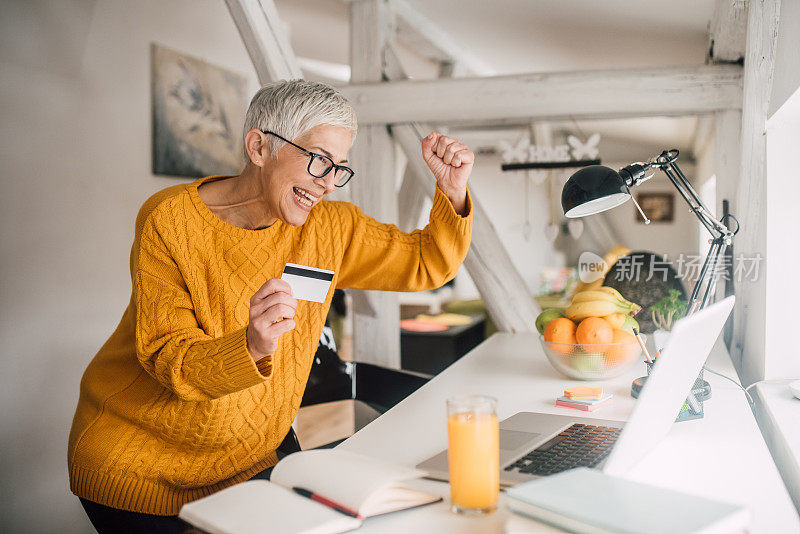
{"type": "Point", "coordinates": [290, 108]}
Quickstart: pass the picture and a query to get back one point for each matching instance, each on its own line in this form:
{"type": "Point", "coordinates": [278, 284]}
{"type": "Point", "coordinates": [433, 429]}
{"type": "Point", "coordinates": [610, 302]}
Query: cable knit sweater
{"type": "Point", "coordinates": [173, 407]}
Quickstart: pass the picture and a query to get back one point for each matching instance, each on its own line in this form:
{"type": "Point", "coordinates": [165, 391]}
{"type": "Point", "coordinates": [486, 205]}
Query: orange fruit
{"type": "Point", "coordinates": [594, 331]}
{"type": "Point", "coordinates": [616, 320]}
{"type": "Point", "coordinates": [624, 347]}
{"type": "Point", "coordinates": [560, 331]}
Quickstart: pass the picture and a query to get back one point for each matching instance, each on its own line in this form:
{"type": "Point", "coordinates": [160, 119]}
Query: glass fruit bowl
{"type": "Point", "coordinates": [592, 361]}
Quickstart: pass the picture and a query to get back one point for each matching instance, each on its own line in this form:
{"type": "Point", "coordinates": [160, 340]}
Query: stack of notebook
{"type": "Point", "coordinates": [584, 398]}
{"type": "Point", "coordinates": [587, 501]}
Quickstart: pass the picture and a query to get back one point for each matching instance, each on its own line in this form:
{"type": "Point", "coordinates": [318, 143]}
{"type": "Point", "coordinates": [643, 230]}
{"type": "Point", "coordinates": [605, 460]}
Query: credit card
{"type": "Point", "coordinates": [307, 283]}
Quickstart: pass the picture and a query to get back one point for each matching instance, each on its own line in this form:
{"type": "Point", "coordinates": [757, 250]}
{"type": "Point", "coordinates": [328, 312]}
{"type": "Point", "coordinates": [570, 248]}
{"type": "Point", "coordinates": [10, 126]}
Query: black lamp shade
{"type": "Point", "coordinates": [591, 190]}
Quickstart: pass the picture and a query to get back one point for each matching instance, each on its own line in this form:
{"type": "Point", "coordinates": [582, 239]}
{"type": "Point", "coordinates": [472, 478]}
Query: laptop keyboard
{"type": "Point", "coordinates": [576, 446]}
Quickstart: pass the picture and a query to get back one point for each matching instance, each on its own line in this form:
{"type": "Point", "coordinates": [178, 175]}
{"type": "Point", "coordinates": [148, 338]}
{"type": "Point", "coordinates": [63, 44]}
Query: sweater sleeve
{"type": "Point", "coordinates": [171, 345]}
{"type": "Point", "coordinates": [381, 257]}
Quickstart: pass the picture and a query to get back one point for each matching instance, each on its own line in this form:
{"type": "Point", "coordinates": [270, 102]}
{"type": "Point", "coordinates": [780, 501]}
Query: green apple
{"type": "Point", "coordinates": [629, 324]}
{"type": "Point", "coordinates": [587, 362]}
{"type": "Point", "coordinates": [545, 317]}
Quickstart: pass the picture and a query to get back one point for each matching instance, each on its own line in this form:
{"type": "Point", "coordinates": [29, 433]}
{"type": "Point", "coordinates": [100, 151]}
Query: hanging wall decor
{"type": "Point", "coordinates": [523, 155]}
{"type": "Point", "coordinates": [198, 114]}
{"type": "Point", "coordinates": [538, 161]}
{"type": "Point", "coordinates": [575, 228]}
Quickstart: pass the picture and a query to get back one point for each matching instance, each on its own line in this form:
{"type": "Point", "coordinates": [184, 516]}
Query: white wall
{"type": "Point", "coordinates": [787, 56]}
{"type": "Point", "coordinates": [75, 160]}
{"type": "Point", "coordinates": [783, 187]}
{"type": "Point", "coordinates": [772, 355]}
{"type": "Point", "coordinates": [783, 227]}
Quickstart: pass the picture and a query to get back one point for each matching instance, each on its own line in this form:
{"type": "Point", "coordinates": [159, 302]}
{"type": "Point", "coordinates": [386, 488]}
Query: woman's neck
{"type": "Point", "coordinates": [239, 200]}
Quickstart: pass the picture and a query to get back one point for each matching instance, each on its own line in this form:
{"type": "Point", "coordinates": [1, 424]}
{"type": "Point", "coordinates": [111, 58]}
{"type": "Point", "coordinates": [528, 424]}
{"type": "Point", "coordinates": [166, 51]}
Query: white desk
{"type": "Point", "coordinates": [722, 456]}
{"type": "Point", "coordinates": [778, 413]}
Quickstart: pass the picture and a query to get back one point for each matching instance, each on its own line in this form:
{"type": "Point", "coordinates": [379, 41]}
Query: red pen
{"type": "Point", "coordinates": [327, 502]}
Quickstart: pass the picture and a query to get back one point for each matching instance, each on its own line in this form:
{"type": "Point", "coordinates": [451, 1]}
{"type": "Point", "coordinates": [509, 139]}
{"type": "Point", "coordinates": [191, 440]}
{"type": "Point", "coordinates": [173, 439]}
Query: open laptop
{"type": "Point", "coordinates": [537, 444]}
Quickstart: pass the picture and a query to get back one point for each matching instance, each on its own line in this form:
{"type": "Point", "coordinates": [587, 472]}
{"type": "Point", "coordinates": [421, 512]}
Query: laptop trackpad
{"type": "Point", "coordinates": [514, 439]}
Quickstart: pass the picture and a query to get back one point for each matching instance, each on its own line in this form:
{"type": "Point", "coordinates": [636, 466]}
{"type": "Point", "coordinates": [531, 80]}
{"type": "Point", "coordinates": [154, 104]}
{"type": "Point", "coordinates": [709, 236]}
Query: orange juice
{"type": "Point", "coordinates": [473, 458]}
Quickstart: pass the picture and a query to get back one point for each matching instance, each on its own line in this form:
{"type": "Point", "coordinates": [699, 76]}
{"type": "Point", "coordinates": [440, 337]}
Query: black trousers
{"type": "Point", "coordinates": [107, 520]}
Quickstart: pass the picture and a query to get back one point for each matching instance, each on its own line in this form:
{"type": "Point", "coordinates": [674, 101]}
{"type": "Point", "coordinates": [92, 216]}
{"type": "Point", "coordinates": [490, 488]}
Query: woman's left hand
{"type": "Point", "coordinates": [451, 163]}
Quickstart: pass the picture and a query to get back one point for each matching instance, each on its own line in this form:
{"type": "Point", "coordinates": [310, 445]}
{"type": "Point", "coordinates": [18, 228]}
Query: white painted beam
{"type": "Point", "coordinates": [727, 143]}
{"type": "Point", "coordinates": [703, 133]}
{"type": "Point", "coordinates": [555, 95]}
{"type": "Point", "coordinates": [504, 293]}
{"type": "Point", "coordinates": [265, 40]}
{"type": "Point", "coordinates": [728, 30]}
{"type": "Point", "coordinates": [750, 322]}
{"type": "Point", "coordinates": [421, 34]}
{"type": "Point", "coordinates": [376, 314]}
{"type": "Point", "coordinates": [727, 161]}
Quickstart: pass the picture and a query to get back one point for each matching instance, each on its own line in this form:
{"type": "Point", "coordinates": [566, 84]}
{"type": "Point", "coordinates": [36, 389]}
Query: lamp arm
{"type": "Point", "coordinates": [689, 194]}
{"type": "Point", "coordinates": [722, 236]}
{"type": "Point", "coordinates": [637, 173]}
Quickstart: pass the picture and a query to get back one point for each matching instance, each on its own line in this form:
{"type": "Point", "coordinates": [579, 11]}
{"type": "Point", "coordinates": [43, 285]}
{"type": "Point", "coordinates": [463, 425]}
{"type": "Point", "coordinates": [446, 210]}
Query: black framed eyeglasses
{"type": "Point", "coordinates": [320, 165]}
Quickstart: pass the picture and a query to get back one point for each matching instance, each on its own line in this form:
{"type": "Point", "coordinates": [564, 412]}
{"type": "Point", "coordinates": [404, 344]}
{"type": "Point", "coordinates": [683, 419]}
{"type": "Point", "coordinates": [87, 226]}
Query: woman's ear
{"type": "Point", "coordinates": [255, 143]}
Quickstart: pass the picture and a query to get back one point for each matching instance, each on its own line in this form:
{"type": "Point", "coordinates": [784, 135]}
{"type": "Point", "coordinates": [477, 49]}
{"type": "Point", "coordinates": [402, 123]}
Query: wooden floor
{"type": "Point", "coordinates": [323, 423]}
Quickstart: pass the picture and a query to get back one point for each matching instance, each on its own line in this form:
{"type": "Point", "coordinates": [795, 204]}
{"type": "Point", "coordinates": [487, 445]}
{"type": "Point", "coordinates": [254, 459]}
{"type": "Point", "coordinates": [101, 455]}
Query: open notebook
{"type": "Point", "coordinates": [364, 486]}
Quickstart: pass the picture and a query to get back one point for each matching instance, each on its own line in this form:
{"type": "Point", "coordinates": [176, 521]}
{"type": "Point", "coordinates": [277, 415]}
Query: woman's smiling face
{"type": "Point", "coordinates": [290, 190]}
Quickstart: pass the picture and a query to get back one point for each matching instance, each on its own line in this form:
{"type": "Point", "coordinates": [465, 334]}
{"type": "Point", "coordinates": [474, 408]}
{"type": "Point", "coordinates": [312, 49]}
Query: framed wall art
{"type": "Point", "coordinates": [659, 207]}
{"type": "Point", "coordinates": [198, 114]}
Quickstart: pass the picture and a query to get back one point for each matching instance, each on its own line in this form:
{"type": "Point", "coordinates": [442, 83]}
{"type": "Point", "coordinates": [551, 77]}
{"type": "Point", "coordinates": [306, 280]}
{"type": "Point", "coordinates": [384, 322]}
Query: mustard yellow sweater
{"type": "Point", "coordinates": [172, 407]}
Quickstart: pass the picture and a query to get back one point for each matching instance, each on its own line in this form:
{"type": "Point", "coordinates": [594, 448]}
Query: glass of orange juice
{"type": "Point", "coordinates": [473, 453]}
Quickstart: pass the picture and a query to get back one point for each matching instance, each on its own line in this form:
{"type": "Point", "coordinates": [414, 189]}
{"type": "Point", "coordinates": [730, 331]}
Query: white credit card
{"type": "Point", "coordinates": [307, 283]}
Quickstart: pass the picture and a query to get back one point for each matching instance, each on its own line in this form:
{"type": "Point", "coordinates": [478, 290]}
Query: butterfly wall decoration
{"type": "Point", "coordinates": [587, 150]}
{"type": "Point", "coordinates": [522, 155]}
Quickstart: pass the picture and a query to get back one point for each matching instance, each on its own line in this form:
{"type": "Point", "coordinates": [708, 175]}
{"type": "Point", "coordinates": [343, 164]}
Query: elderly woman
{"type": "Point", "coordinates": [202, 378]}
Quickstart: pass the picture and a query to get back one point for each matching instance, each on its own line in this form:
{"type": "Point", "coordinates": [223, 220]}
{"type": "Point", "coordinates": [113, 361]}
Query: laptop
{"type": "Point", "coordinates": [533, 445]}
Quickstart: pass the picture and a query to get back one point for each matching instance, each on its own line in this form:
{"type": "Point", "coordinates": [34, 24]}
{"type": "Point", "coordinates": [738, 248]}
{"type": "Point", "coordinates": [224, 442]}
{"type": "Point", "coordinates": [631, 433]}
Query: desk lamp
{"type": "Point", "coordinates": [596, 188]}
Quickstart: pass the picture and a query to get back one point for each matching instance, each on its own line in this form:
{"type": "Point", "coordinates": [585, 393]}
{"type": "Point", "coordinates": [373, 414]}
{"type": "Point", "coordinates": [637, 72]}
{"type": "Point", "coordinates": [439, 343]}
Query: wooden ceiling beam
{"type": "Point", "coordinates": [555, 95]}
{"type": "Point", "coordinates": [265, 40]}
{"type": "Point", "coordinates": [728, 31]}
{"type": "Point", "coordinates": [376, 314]}
{"type": "Point", "coordinates": [424, 36]}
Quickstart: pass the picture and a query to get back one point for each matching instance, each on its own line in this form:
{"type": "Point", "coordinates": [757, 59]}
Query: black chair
{"type": "Point", "coordinates": [332, 379]}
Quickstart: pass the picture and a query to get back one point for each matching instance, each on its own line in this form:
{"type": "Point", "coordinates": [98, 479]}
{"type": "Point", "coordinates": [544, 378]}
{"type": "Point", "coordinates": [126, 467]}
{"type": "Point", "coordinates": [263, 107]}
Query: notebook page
{"type": "Point", "coordinates": [257, 506]}
{"type": "Point", "coordinates": [342, 476]}
{"type": "Point", "coordinates": [394, 497]}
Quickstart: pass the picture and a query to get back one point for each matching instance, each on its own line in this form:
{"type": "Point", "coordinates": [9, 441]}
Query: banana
{"type": "Point", "coordinates": [611, 291]}
{"type": "Point", "coordinates": [578, 311]}
{"type": "Point", "coordinates": [633, 308]}
{"type": "Point", "coordinates": [584, 286]}
{"type": "Point", "coordinates": [608, 294]}
{"type": "Point", "coordinates": [611, 257]}
{"type": "Point", "coordinates": [588, 296]}
{"type": "Point", "coordinates": [608, 301]}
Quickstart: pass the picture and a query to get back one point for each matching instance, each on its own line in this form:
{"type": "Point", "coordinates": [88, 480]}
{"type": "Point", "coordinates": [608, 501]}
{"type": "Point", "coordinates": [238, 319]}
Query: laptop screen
{"type": "Point", "coordinates": [670, 381]}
